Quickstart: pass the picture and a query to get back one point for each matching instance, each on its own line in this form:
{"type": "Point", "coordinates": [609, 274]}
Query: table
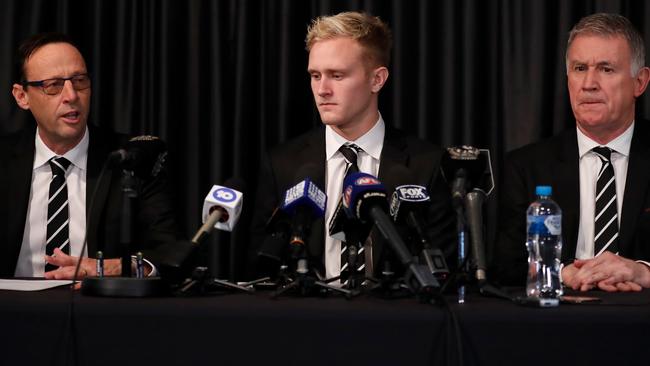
{"type": "Point", "coordinates": [242, 329]}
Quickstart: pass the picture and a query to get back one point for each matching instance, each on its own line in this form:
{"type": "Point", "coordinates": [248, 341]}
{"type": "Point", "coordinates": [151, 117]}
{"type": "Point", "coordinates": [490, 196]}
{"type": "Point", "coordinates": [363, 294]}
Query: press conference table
{"type": "Point", "coordinates": [242, 329]}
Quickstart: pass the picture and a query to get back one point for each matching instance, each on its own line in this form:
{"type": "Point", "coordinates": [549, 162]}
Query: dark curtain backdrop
{"type": "Point", "coordinates": [223, 81]}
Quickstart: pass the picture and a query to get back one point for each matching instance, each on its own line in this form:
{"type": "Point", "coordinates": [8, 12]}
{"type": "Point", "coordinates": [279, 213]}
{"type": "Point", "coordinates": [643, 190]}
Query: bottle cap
{"type": "Point", "coordinates": [543, 190]}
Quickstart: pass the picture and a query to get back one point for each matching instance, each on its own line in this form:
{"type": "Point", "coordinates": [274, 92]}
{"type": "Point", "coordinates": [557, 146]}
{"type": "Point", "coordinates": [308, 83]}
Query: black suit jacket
{"type": "Point", "coordinates": [554, 162]}
{"type": "Point", "coordinates": [154, 217]}
{"type": "Point", "coordinates": [419, 157]}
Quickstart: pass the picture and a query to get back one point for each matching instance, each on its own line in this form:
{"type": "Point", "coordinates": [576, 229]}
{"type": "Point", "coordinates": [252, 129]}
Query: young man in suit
{"type": "Point", "coordinates": [50, 175]}
{"type": "Point", "coordinates": [599, 171]}
{"type": "Point", "coordinates": [349, 54]}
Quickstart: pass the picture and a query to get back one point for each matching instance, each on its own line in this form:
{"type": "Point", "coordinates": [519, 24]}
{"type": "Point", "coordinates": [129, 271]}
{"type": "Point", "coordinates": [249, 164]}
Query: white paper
{"type": "Point", "coordinates": [31, 285]}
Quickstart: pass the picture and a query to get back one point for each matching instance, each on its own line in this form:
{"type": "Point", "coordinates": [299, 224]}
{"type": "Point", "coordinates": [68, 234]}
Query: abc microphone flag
{"type": "Point", "coordinates": [226, 200]}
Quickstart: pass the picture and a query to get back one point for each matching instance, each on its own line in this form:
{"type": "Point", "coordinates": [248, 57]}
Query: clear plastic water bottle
{"type": "Point", "coordinates": [544, 243]}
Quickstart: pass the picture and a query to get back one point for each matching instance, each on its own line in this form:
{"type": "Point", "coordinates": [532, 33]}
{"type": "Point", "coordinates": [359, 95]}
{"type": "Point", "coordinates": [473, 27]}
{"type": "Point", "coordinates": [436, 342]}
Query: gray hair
{"type": "Point", "coordinates": [611, 25]}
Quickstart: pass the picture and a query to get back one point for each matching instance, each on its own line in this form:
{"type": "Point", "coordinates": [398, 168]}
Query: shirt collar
{"type": "Point", "coordinates": [78, 155]}
{"type": "Point", "coordinates": [371, 142]}
{"type": "Point", "coordinates": [621, 144]}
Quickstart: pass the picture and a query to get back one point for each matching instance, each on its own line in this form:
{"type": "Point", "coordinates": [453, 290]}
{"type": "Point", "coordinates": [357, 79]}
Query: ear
{"type": "Point", "coordinates": [379, 77]}
{"type": "Point", "coordinates": [641, 81]}
{"type": "Point", "coordinates": [22, 99]}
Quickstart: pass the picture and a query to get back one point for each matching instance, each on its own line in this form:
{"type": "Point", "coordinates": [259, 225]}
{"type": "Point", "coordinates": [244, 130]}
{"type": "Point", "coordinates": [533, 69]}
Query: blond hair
{"type": "Point", "coordinates": [370, 31]}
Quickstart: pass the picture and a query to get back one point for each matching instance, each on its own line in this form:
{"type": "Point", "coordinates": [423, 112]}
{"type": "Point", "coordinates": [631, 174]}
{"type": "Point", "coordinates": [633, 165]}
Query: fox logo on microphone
{"type": "Point", "coordinates": [227, 199]}
{"type": "Point", "coordinates": [407, 193]}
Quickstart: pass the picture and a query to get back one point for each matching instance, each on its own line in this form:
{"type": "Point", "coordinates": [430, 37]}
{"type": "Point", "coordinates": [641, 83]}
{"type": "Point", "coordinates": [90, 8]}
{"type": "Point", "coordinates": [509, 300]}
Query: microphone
{"type": "Point", "coordinates": [221, 210]}
{"type": "Point", "coordinates": [408, 204]}
{"type": "Point", "coordinates": [364, 198]}
{"type": "Point", "coordinates": [144, 155]}
{"type": "Point", "coordinates": [474, 213]}
{"type": "Point", "coordinates": [463, 166]}
{"type": "Point", "coordinates": [303, 203]}
{"type": "Point", "coordinates": [275, 242]}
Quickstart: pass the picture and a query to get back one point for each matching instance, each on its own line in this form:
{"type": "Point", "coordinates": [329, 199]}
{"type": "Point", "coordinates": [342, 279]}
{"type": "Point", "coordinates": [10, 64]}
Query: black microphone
{"type": "Point", "coordinates": [144, 155]}
{"type": "Point", "coordinates": [364, 197]}
{"type": "Point", "coordinates": [474, 213]}
{"type": "Point", "coordinates": [408, 204]}
{"type": "Point", "coordinates": [275, 241]}
{"type": "Point", "coordinates": [463, 166]}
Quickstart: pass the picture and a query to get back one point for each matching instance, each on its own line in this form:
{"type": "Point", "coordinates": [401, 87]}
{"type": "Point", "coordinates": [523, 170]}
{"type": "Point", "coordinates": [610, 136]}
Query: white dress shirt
{"type": "Point", "coordinates": [590, 165]}
{"type": "Point", "coordinates": [368, 162]}
{"type": "Point", "coordinates": [31, 260]}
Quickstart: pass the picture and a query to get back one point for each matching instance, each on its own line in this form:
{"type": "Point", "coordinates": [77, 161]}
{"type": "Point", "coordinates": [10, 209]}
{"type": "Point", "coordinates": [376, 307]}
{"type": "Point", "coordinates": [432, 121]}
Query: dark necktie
{"type": "Point", "coordinates": [350, 153]}
{"type": "Point", "coordinates": [57, 210]}
{"type": "Point", "coordinates": [606, 212]}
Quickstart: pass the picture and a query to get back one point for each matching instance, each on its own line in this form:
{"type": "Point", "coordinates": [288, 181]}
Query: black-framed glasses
{"type": "Point", "coordinates": [54, 86]}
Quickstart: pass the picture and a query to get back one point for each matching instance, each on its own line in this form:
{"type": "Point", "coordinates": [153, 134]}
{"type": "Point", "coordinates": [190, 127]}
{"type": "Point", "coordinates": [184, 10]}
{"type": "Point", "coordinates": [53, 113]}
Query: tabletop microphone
{"type": "Point", "coordinates": [408, 204]}
{"type": "Point", "coordinates": [221, 209]}
{"type": "Point", "coordinates": [303, 203]}
{"type": "Point", "coordinates": [144, 155]}
{"type": "Point", "coordinates": [464, 167]}
{"type": "Point", "coordinates": [364, 198]}
{"type": "Point", "coordinates": [474, 213]}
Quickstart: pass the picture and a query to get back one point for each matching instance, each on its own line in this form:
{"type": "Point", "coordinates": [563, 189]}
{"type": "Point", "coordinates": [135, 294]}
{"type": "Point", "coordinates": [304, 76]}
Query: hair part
{"type": "Point", "coordinates": [32, 44]}
{"type": "Point", "coordinates": [611, 25]}
{"type": "Point", "coordinates": [370, 31]}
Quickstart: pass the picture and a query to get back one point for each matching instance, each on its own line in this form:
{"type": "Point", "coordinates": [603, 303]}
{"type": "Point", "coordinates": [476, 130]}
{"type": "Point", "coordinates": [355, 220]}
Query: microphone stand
{"type": "Point", "coordinates": [461, 230]}
{"type": "Point", "coordinates": [125, 285]}
{"type": "Point", "coordinates": [304, 281]}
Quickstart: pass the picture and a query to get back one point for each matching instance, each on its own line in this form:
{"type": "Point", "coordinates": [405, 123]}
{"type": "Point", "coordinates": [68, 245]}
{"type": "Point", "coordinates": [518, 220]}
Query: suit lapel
{"type": "Point", "coordinates": [636, 185]}
{"type": "Point", "coordinates": [567, 183]}
{"type": "Point", "coordinates": [313, 152]}
{"type": "Point", "coordinates": [19, 176]}
{"type": "Point", "coordinates": [393, 153]}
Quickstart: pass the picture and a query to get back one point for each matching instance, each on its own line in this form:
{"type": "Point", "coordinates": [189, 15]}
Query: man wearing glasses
{"type": "Point", "coordinates": [50, 173]}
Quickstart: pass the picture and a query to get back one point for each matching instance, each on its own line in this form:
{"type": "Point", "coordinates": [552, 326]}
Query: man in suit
{"type": "Point", "coordinates": [53, 184]}
{"type": "Point", "coordinates": [599, 171]}
{"type": "Point", "coordinates": [349, 55]}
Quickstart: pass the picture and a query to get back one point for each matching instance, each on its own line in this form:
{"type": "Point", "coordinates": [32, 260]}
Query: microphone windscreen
{"type": "Point", "coordinates": [145, 155]}
{"type": "Point", "coordinates": [226, 199]}
{"type": "Point", "coordinates": [358, 187]}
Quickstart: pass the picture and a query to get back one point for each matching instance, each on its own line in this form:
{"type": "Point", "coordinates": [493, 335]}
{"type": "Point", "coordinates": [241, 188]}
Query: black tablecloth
{"type": "Point", "coordinates": [238, 329]}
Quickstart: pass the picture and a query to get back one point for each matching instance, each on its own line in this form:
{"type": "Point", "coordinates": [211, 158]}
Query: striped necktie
{"type": "Point", "coordinates": [58, 217]}
{"type": "Point", "coordinates": [350, 153]}
{"type": "Point", "coordinates": [606, 212]}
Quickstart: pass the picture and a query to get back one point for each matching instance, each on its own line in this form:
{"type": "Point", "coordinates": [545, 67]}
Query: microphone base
{"type": "Point", "coordinates": [306, 284]}
{"type": "Point", "coordinates": [124, 287]}
{"type": "Point", "coordinates": [202, 284]}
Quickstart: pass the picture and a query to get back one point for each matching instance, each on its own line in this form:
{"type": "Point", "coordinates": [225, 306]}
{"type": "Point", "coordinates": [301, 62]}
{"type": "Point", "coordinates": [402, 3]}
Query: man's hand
{"type": "Point", "coordinates": [609, 272]}
{"type": "Point", "coordinates": [67, 265]}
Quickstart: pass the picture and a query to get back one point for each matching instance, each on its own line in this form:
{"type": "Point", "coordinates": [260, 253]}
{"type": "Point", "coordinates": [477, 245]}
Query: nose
{"type": "Point", "coordinates": [68, 93]}
{"type": "Point", "coordinates": [590, 81]}
{"type": "Point", "coordinates": [323, 88]}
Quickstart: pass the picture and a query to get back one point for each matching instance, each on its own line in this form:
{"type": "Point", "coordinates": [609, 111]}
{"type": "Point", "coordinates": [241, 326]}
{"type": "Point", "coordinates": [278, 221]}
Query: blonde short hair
{"type": "Point", "coordinates": [370, 31]}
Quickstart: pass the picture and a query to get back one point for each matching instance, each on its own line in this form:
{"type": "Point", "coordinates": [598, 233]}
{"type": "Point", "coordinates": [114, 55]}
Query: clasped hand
{"type": "Point", "coordinates": [608, 272]}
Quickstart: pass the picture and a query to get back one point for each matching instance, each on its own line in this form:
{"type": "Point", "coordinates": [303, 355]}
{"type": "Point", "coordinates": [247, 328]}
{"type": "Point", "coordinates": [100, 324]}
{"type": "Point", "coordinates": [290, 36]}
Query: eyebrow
{"type": "Point", "coordinates": [600, 63]}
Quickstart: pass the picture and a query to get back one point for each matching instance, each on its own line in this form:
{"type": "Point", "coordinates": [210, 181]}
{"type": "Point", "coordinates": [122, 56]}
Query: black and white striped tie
{"type": "Point", "coordinates": [58, 217]}
{"type": "Point", "coordinates": [350, 152]}
{"type": "Point", "coordinates": [606, 212]}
